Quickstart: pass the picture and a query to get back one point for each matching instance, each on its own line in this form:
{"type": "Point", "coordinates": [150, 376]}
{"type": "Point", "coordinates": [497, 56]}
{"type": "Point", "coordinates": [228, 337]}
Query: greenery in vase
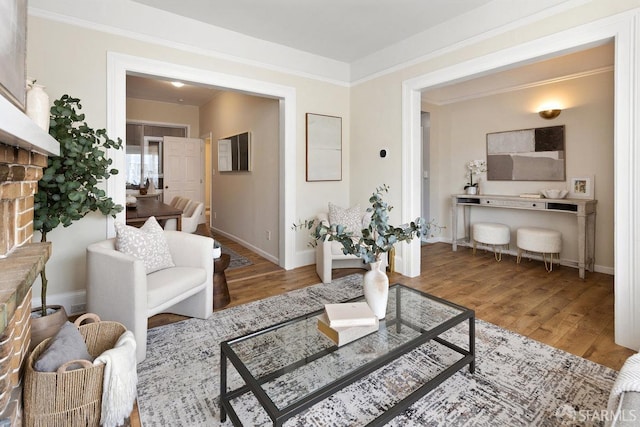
{"type": "Point", "coordinates": [377, 238]}
{"type": "Point", "coordinates": [69, 189]}
{"type": "Point", "coordinates": [474, 167]}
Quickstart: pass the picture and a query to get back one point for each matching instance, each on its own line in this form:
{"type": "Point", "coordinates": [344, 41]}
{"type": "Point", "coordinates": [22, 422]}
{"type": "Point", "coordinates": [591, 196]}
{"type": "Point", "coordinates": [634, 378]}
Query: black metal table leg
{"type": "Point", "coordinates": [223, 385]}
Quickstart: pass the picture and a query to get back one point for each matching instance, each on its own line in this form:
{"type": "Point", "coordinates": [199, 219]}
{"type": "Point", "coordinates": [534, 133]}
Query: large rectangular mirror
{"type": "Point", "coordinates": [234, 153]}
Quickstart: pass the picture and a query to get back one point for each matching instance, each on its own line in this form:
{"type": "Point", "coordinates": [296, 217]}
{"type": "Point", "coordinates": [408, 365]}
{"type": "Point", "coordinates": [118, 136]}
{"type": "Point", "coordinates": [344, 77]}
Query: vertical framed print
{"type": "Point", "coordinates": [324, 147]}
{"type": "Point", "coordinates": [13, 45]}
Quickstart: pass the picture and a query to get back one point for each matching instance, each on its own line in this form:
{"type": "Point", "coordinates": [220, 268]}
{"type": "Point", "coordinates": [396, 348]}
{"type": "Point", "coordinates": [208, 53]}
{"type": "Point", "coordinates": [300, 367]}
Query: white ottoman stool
{"type": "Point", "coordinates": [490, 233]}
{"type": "Point", "coordinates": [541, 240]}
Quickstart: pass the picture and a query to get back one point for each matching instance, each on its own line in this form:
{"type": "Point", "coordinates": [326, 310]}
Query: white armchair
{"type": "Point", "coordinates": [329, 254]}
{"type": "Point", "coordinates": [118, 287]}
{"type": "Point", "coordinates": [191, 212]}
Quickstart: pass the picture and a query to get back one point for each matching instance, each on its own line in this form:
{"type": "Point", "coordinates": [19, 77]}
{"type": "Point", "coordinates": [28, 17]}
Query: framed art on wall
{"type": "Point", "coordinates": [581, 187]}
{"type": "Point", "coordinates": [526, 155]}
{"type": "Point", "coordinates": [13, 42]}
{"type": "Point", "coordinates": [324, 148]}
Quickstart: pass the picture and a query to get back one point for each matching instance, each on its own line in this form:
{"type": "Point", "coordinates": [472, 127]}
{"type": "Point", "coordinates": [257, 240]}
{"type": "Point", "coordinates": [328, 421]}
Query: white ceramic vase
{"type": "Point", "coordinates": [376, 289]}
{"type": "Point", "coordinates": [472, 190]}
{"type": "Point", "coordinates": [38, 106]}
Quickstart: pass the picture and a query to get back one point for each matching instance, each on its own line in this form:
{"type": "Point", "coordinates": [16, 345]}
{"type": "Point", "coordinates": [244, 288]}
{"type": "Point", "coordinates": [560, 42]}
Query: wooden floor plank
{"type": "Point", "coordinates": [557, 308]}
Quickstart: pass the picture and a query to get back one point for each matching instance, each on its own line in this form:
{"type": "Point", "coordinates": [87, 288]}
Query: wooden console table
{"type": "Point", "coordinates": [584, 210]}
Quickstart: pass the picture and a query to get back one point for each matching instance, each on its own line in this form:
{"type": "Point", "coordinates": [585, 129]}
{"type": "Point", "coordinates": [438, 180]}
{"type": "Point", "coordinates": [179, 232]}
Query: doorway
{"type": "Point", "coordinates": [621, 30]}
{"type": "Point", "coordinates": [120, 65]}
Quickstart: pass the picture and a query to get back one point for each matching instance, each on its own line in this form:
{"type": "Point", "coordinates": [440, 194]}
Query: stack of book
{"type": "Point", "coordinates": [346, 322]}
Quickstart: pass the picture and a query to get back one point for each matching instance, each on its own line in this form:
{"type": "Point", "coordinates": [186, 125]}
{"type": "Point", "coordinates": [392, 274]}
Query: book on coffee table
{"type": "Point", "coordinates": [350, 314]}
{"type": "Point", "coordinates": [344, 335]}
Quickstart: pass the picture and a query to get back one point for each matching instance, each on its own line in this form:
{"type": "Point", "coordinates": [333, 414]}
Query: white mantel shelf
{"type": "Point", "coordinates": [17, 129]}
{"type": "Point", "coordinates": [583, 209]}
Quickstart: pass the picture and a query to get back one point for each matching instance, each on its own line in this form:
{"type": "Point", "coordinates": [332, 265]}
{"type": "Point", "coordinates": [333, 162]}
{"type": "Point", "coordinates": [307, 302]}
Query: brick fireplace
{"type": "Point", "coordinates": [21, 260]}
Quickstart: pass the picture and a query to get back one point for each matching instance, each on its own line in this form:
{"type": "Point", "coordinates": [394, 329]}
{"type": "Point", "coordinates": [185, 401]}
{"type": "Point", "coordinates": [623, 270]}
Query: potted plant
{"type": "Point", "coordinates": [68, 189]}
{"type": "Point", "coordinates": [474, 167]}
{"type": "Point", "coordinates": [375, 240]}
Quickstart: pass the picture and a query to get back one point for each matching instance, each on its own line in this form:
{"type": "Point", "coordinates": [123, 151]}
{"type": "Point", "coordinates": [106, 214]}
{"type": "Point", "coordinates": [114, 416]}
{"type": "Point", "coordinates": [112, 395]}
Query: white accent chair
{"type": "Point", "coordinates": [191, 212]}
{"type": "Point", "coordinates": [118, 287]}
{"type": "Point", "coordinates": [329, 254]}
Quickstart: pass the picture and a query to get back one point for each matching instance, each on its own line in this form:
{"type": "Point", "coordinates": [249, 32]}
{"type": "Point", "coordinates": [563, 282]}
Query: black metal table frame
{"type": "Point", "coordinates": [279, 416]}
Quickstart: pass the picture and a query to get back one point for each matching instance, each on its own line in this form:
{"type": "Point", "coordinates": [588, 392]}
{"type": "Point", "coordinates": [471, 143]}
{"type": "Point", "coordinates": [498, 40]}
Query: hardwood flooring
{"type": "Point", "coordinates": [557, 308]}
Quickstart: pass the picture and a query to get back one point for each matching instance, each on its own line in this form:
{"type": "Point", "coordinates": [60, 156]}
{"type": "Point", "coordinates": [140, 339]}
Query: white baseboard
{"type": "Point", "coordinates": [248, 245]}
{"type": "Point", "coordinates": [73, 302]}
{"type": "Point", "coordinates": [565, 262]}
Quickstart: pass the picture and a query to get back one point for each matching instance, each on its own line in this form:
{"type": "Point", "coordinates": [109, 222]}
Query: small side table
{"type": "Point", "coordinates": [221, 295]}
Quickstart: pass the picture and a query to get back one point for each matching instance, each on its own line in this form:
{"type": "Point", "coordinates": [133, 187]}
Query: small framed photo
{"type": "Point", "coordinates": [581, 187]}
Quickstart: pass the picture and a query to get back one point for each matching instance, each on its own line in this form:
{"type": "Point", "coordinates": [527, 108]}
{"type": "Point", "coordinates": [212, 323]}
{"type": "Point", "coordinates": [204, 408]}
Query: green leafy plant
{"type": "Point", "coordinates": [69, 188]}
{"type": "Point", "coordinates": [377, 238]}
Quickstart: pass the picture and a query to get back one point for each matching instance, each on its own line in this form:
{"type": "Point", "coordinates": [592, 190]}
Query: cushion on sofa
{"type": "Point", "coordinates": [351, 218]}
{"type": "Point", "coordinates": [147, 243]}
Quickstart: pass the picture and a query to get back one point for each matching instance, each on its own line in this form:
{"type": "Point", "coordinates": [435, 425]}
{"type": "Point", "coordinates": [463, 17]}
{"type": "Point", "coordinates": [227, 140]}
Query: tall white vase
{"type": "Point", "coordinates": [376, 289]}
{"type": "Point", "coordinates": [38, 106]}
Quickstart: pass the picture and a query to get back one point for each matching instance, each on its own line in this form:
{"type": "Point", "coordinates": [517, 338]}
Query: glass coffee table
{"type": "Point", "coordinates": [291, 366]}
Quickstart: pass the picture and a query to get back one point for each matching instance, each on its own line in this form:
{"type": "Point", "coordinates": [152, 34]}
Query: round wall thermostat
{"type": "Point", "coordinates": [383, 153]}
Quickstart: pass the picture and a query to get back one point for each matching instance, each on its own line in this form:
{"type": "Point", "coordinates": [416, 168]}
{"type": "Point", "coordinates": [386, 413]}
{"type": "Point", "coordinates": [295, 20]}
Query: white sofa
{"type": "Point", "coordinates": [118, 287]}
{"type": "Point", "coordinates": [191, 212]}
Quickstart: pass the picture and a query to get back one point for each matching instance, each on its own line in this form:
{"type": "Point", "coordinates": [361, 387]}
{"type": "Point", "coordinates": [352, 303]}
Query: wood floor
{"type": "Point", "coordinates": [557, 308]}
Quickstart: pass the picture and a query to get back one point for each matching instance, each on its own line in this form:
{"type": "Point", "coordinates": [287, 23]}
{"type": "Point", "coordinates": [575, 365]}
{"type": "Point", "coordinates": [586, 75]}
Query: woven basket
{"type": "Point", "coordinates": [69, 398]}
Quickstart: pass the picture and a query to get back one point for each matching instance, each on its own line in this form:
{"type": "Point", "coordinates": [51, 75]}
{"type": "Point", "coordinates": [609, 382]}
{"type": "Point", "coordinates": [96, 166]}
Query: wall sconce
{"type": "Point", "coordinates": [549, 114]}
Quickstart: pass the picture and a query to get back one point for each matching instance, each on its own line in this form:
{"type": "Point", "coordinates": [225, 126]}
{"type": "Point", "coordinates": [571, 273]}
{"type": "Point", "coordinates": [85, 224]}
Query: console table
{"type": "Point", "coordinates": [584, 211]}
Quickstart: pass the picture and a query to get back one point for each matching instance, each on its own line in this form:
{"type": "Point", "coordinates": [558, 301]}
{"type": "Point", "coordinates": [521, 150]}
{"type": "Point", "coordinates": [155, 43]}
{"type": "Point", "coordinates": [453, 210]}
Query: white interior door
{"type": "Point", "coordinates": [183, 168]}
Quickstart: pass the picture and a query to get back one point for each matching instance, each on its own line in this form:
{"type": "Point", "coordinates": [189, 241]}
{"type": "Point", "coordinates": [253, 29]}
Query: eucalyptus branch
{"type": "Point", "coordinates": [376, 238]}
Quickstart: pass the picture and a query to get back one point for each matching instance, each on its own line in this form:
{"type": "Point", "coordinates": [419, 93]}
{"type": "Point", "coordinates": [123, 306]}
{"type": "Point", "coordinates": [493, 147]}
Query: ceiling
{"type": "Point", "coordinates": [344, 30]}
{"type": "Point", "coordinates": [542, 72]}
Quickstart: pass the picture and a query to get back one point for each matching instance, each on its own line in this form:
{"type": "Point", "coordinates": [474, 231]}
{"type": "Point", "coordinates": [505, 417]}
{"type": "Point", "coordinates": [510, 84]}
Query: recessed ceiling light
{"type": "Point", "coordinates": [177, 84]}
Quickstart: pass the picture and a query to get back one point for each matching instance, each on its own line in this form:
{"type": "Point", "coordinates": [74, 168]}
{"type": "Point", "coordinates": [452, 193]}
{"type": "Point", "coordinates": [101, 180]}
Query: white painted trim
{"type": "Point", "coordinates": [68, 300]}
{"type": "Point", "coordinates": [623, 29]}
{"type": "Point", "coordinates": [247, 245]}
{"type": "Point", "coordinates": [521, 86]}
{"type": "Point", "coordinates": [117, 67]}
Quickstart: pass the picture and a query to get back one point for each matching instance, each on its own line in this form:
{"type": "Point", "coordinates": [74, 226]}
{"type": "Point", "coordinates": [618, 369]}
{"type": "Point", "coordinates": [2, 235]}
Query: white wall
{"type": "Point", "coordinates": [588, 121]}
{"type": "Point", "coordinates": [166, 113]}
{"type": "Point", "coordinates": [244, 204]}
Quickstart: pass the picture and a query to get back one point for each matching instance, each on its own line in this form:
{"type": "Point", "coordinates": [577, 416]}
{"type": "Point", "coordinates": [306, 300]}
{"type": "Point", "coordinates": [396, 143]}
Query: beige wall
{"type": "Point", "coordinates": [165, 113]}
{"type": "Point", "coordinates": [245, 204]}
{"type": "Point", "coordinates": [460, 135]}
{"type": "Point", "coordinates": [73, 60]}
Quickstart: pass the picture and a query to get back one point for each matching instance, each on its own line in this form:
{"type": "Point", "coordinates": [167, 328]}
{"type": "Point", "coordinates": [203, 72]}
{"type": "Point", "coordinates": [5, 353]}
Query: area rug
{"type": "Point", "coordinates": [237, 260]}
{"type": "Point", "coordinates": [518, 381]}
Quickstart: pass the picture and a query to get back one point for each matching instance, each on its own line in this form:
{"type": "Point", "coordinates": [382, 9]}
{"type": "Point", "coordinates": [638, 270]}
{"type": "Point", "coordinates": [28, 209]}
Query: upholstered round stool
{"type": "Point", "coordinates": [541, 240]}
{"type": "Point", "coordinates": [491, 233]}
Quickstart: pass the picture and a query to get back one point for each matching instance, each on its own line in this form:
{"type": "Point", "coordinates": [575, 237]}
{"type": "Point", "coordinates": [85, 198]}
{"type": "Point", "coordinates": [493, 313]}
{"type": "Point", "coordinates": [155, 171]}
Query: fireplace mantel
{"type": "Point", "coordinates": [17, 129]}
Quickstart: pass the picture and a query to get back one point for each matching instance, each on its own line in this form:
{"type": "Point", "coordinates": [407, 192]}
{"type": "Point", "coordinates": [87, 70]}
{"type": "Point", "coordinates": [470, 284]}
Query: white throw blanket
{"type": "Point", "coordinates": [628, 380]}
{"type": "Point", "coordinates": [120, 380]}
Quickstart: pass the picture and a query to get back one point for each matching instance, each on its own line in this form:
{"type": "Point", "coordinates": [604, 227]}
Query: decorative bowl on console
{"type": "Point", "coordinates": [554, 193]}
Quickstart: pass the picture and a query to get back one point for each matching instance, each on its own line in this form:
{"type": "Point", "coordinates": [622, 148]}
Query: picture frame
{"type": "Point", "coordinates": [13, 50]}
{"type": "Point", "coordinates": [581, 187]}
{"type": "Point", "coordinates": [536, 154]}
{"type": "Point", "coordinates": [324, 147]}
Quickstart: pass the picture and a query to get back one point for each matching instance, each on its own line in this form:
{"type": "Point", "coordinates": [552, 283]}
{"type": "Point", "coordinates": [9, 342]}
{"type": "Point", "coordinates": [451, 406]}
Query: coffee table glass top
{"type": "Point", "coordinates": [294, 359]}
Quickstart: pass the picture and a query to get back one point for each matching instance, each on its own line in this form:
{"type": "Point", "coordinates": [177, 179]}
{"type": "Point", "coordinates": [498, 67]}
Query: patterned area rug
{"type": "Point", "coordinates": [237, 261]}
{"type": "Point", "coordinates": [518, 381]}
